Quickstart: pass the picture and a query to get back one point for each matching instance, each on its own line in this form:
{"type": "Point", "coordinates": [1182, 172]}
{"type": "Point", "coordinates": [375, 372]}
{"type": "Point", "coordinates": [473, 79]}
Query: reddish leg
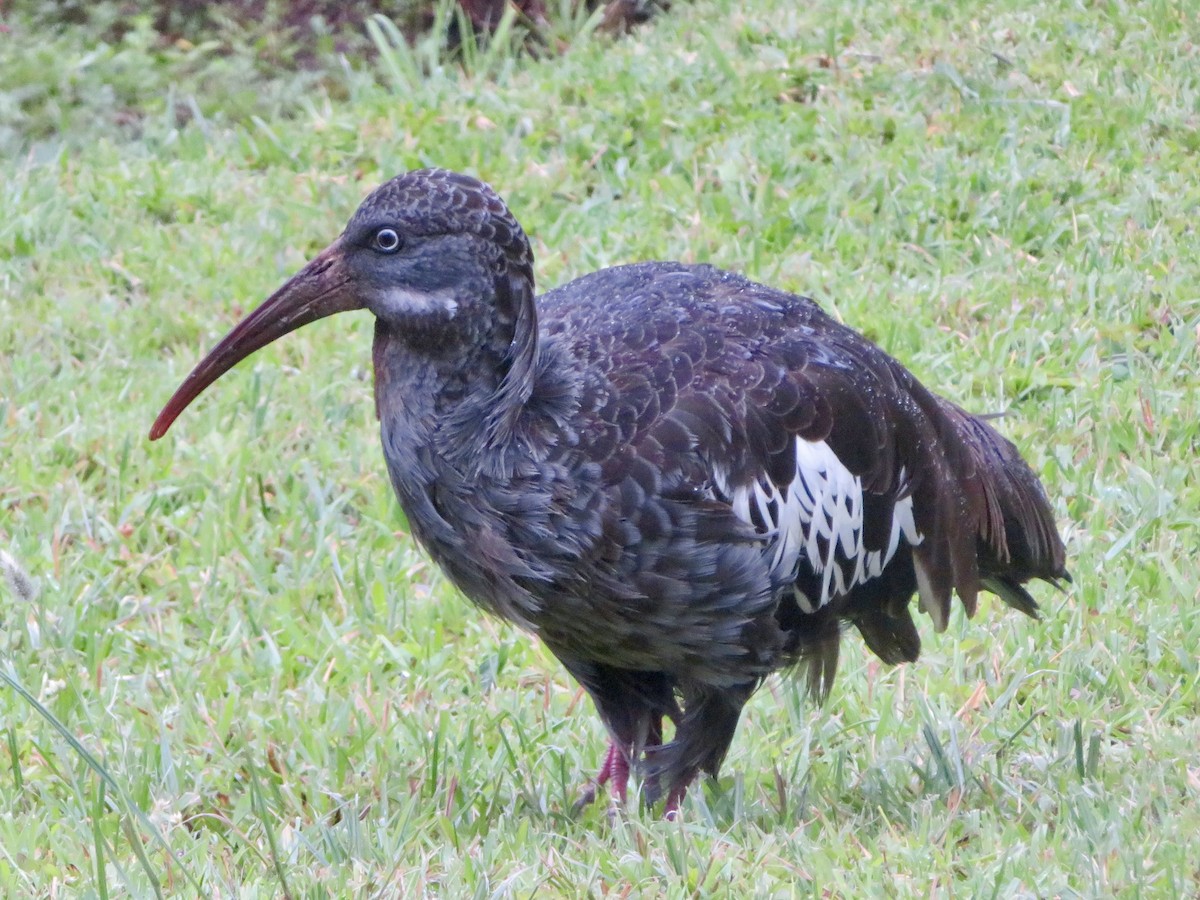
{"type": "Point", "coordinates": [616, 768]}
{"type": "Point", "coordinates": [674, 799]}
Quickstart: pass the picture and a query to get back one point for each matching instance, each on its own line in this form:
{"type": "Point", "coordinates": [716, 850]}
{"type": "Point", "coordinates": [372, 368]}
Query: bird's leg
{"type": "Point", "coordinates": [617, 765]}
{"type": "Point", "coordinates": [701, 739]}
{"type": "Point", "coordinates": [654, 736]}
{"type": "Point", "coordinates": [615, 769]}
{"type": "Point", "coordinates": [606, 767]}
{"type": "Point", "coordinates": [674, 800]}
{"type": "Point", "coordinates": [650, 786]}
{"type": "Point", "coordinates": [632, 705]}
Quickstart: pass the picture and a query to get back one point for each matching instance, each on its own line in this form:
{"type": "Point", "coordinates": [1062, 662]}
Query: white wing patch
{"type": "Point", "coordinates": [819, 519]}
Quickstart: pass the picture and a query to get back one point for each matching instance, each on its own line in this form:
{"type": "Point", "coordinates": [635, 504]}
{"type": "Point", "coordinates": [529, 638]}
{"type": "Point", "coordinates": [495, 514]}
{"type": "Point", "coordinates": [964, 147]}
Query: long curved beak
{"type": "Point", "coordinates": [320, 289]}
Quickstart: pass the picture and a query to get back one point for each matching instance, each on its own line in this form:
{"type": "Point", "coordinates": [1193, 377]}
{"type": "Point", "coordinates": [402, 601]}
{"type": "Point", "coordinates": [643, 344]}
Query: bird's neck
{"type": "Point", "coordinates": [458, 399]}
{"type": "Point", "coordinates": [450, 454]}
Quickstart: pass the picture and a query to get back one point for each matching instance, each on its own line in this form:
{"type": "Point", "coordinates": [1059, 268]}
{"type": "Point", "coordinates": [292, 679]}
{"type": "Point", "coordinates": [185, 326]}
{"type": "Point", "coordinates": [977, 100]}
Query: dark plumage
{"type": "Point", "coordinates": [679, 479]}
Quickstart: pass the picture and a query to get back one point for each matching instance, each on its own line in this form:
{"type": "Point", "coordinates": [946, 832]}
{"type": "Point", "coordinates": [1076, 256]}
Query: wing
{"type": "Point", "coordinates": [820, 442]}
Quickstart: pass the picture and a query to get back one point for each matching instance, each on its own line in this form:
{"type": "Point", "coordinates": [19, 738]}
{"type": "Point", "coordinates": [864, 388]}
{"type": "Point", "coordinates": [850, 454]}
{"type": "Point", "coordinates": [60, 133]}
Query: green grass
{"type": "Point", "coordinates": [235, 627]}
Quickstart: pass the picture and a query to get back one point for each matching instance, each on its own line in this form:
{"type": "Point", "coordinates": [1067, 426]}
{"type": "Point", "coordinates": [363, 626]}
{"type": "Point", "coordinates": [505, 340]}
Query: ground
{"type": "Point", "coordinates": [225, 669]}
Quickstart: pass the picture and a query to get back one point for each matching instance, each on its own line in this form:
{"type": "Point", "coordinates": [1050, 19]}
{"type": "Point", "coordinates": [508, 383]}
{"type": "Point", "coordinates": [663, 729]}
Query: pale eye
{"type": "Point", "coordinates": [387, 240]}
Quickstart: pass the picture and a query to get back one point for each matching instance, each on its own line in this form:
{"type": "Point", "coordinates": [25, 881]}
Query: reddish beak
{"type": "Point", "coordinates": [320, 289]}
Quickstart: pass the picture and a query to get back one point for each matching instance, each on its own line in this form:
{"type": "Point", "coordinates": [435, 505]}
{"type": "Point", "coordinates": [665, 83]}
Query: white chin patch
{"type": "Point", "coordinates": [404, 302]}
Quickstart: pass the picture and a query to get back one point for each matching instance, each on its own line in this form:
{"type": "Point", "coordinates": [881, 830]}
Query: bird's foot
{"type": "Point", "coordinates": [615, 770]}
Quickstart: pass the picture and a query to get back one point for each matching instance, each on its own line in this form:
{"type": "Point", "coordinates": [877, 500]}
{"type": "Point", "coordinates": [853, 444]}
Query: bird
{"type": "Point", "coordinates": [679, 480]}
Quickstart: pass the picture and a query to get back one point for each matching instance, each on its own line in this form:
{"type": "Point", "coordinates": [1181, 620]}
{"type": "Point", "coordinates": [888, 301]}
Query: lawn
{"type": "Point", "coordinates": [226, 670]}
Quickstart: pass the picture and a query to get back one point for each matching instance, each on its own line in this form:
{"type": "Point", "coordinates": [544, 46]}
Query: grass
{"type": "Point", "coordinates": [282, 695]}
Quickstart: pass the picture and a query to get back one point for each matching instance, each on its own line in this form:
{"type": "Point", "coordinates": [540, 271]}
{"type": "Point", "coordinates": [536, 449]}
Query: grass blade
{"type": "Point", "coordinates": [9, 677]}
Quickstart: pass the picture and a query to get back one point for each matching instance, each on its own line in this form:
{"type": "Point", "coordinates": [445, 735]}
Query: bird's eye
{"type": "Point", "coordinates": [387, 240]}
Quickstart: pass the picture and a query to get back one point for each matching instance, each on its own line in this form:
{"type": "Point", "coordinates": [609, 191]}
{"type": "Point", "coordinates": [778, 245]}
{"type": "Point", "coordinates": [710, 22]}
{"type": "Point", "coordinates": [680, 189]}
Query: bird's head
{"type": "Point", "coordinates": [435, 255]}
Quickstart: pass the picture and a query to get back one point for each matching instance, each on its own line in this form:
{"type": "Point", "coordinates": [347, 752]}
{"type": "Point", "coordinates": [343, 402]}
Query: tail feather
{"type": "Point", "coordinates": [1012, 593]}
{"type": "Point", "coordinates": [819, 664]}
{"type": "Point", "coordinates": [892, 636]}
{"type": "Point", "coordinates": [1017, 538]}
{"type": "Point", "coordinates": [816, 647]}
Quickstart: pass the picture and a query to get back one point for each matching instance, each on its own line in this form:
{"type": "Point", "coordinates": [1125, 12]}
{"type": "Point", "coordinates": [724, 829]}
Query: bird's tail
{"type": "Point", "coordinates": [1015, 535]}
{"type": "Point", "coordinates": [986, 525]}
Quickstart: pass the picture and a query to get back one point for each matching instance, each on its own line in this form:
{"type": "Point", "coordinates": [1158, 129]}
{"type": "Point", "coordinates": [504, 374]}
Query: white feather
{"type": "Point", "coordinates": [408, 301]}
{"type": "Point", "coordinates": [819, 519]}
